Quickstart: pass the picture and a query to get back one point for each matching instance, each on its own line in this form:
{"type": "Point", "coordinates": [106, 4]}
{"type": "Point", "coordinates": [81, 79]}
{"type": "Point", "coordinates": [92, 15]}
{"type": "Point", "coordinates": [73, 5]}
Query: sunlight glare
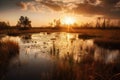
{"type": "Point", "coordinates": [68, 20]}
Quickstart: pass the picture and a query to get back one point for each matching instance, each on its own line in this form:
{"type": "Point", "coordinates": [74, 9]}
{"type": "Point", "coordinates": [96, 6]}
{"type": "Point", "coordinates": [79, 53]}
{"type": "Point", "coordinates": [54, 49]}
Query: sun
{"type": "Point", "coordinates": [68, 20]}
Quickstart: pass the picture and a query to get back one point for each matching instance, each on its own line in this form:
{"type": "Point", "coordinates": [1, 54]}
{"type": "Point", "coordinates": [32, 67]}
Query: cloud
{"type": "Point", "coordinates": [117, 6]}
{"type": "Point", "coordinates": [55, 5]}
{"type": "Point", "coordinates": [22, 5]}
{"type": "Point", "coordinates": [107, 8]}
{"type": "Point", "coordinates": [109, 2]}
{"type": "Point", "coordinates": [36, 5]}
{"type": "Point", "coordinates": [30, 5]}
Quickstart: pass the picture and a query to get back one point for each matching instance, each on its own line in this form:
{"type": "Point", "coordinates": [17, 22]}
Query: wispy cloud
{"type": "Point", "coordinates": [23, 5]}
{"type": "Point", "coordinates": [55, 5]}
{"type": "Point", "coordinates": [107, 8]}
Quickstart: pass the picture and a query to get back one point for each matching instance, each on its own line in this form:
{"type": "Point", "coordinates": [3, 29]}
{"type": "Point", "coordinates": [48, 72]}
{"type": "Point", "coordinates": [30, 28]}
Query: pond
{"type": "Point", "coordinates": [40, 53]}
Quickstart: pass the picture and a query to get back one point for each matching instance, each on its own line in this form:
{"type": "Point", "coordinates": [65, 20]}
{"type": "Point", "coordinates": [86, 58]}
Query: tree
{"type": "Point", "coordinates": [57, 23]}
{"type": "Point", "coordinates": [24, 23]}
{"type": "Point", "coordinates": [104, 23]}
{"type": "Point", "coordinates": [98, 24]}
{"type": "Point", "coordinates": [4, 25]}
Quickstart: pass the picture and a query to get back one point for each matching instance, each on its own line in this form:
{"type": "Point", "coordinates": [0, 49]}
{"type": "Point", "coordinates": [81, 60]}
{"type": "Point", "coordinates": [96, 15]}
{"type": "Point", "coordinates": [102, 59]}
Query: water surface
{"type": "Point", "coordinates": [39, 53]}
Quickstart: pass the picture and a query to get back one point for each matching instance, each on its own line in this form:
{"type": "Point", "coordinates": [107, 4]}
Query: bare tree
{"type": "Point", "coordinates": [108, 23]}
{"type": "Point", "coordinates": [104, 23]}
{"type": "Point", "coordinates": [98, 24]}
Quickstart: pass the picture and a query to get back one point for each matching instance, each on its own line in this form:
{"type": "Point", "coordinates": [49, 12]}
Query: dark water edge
{"type": "Point", "coordinates": [108, 44]}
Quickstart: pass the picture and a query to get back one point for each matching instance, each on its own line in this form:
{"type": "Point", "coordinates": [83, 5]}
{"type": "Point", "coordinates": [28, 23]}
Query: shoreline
{"type": "Point", "coordinates": [105, 34]}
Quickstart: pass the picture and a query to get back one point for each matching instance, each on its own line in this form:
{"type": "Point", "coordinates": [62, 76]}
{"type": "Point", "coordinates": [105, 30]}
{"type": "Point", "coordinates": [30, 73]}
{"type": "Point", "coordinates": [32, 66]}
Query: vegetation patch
{"type": "Point", "coordinates": [8, 49]}
{"type": "Point", "coordinates": [86, 36]}
{"type": "Point", "coordinates": [107, 43]}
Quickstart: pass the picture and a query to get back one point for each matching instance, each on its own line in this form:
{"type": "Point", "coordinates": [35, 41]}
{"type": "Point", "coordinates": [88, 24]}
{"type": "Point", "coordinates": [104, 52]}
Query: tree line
{"type": "Point", "coordinates": [101, 22]}
{"type": "Point", "coordinates": [23, 23]}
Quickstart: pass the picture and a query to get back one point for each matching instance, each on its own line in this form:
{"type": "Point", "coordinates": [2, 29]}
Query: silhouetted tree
{"type": "Point", "coordinates": [24, 23]}
{"type": "Point", "coordinates": [4, 25]}
{"type": "Point", "coordinates": [57, 23]}
{"type": "Point", "coordinates": [108, 23]}
{"type": "Point", "coordinates": [98, 24]}
{"type": "Point", "coordinates": [104, 23]}
{"type": "Point", "coordinates": [51, 24]}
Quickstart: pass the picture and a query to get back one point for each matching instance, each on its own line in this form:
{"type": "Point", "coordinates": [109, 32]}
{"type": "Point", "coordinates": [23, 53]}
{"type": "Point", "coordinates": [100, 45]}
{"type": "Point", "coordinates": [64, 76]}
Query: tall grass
{"type": "Point", "coordinates": [86, 69]}
{"type": "Point", "coordinates": [8, 49]}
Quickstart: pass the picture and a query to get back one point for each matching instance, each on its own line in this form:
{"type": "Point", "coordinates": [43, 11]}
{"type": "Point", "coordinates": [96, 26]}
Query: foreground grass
{"type": "Point", "coordinates": [86, 69]}
{"type": "Point", "coordinates": [8, 49]}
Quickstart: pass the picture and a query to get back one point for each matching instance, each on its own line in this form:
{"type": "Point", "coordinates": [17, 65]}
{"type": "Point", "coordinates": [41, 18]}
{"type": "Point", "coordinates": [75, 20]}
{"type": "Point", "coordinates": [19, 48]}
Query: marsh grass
{"type": "Point", "coordinates": [8, 49]}
{"type": "Point", "coordinates": [87, 69]}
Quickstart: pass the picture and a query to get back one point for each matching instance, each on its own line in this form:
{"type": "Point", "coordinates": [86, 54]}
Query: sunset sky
{"type": "Point", "coordinates": [42, 12]}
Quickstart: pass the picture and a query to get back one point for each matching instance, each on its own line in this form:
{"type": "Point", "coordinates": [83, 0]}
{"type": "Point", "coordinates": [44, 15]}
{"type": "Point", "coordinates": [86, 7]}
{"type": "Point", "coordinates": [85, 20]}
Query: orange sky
{"type": "Point", "coordinates": [42, 12]}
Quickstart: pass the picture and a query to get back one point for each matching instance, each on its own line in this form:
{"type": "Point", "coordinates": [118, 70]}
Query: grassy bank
{"type": "Point", "coordinates": [8, 49]}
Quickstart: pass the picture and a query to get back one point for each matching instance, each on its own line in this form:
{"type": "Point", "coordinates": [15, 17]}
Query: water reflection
{"type": "Point", "coordinates": [39, 52]}
{"type": "Point", "coordinates": [106, 55]}
{"type": "Point", "coordinates": [26, 38]}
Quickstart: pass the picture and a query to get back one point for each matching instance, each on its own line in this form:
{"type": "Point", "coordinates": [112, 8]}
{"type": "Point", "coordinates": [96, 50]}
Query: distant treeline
{"type": "Point", "coordinates": [4, 25]}
{"type": "Point", "coordinates": [23, 23]}
{"type": "Point", "coordinates": [100, 23]}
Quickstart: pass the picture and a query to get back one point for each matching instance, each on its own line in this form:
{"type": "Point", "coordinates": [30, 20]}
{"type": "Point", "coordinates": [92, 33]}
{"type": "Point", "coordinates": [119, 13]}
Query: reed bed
{"type": "Point", "coordinates": [87, 69]}
{"type": "Point", "coordinates": [8, 49]}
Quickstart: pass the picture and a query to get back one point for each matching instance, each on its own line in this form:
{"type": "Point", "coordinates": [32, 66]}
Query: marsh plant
{"type": "Point", "coordinates": [8, 49]}
{"type": "Point", "coordinates": [87, 69]}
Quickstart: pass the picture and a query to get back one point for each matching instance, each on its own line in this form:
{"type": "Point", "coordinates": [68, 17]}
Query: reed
{"type": "Point", "coordinates": [86, 69]}
{"type": "Point", "coordinates": [8, 49]}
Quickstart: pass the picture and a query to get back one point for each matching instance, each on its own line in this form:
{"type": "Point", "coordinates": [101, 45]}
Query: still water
{"type": "Point", "coordinates": [39, 52]}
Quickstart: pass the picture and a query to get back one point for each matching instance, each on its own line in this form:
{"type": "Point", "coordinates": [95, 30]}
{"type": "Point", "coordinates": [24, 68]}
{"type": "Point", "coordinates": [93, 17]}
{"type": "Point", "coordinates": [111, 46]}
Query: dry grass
{"type": "Point", "coordinates": [87, 69]}
{"type": "Point", "coordinates": [8, 48]}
